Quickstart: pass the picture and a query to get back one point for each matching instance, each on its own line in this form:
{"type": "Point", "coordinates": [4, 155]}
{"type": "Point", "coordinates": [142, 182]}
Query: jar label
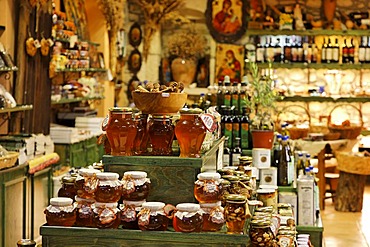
{"type": "Point", "coordinates": [217, 215]}
{"type": "Point", "coordinates": [104, 124]}
{"type": "Point", "coordinates": [107, 215]}
{"type": "Point", "coordinates": [209, 122]}
{"type": "Point", "coordinates": [210, 187]}
{"type": "Point", "coordinates": [128, 214]}
{"type": "Point", "coordinates": [143, 217]}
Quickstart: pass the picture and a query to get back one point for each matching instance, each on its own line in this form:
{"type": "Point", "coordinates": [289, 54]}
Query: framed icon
{"type": "Point", "coordinates": [134, 61]}
{"type": "Point", "coordinates": [135, 35]}
{"type": "Point", "coordinates": [226, 19]}
{"type": "Point", "coordinates": [229, 61]}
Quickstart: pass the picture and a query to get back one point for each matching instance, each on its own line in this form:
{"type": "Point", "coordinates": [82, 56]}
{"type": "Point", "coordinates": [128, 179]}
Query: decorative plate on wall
{"type": "Point", "coordinates": [135, 35]}
{"type": "Point", "coordinates": [226, 19]}
{"type": "Point", "coordinates": [134, 61]}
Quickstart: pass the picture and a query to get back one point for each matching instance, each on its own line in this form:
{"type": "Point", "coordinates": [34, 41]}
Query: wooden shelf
{"type": "Point", "coordinates": [315, 66]}
{"type": "Point", "coordinates": [6, 69]}
{"type": "Point", "coordinates": [74, 100]}
{"type": "Point", "coordinates": [80, 70]}
{"type": "Point", "coordinates": [323, 32]}
{"type": "Point", "coordinates": [67, 41]}
{"type": "Point", "coordinates": [17, 108]}
{"type": "Point", "coordinates": [363, 99]}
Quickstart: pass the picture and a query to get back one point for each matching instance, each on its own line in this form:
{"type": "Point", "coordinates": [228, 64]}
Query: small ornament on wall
{"type": "Point", "coordinates": [135, 35]}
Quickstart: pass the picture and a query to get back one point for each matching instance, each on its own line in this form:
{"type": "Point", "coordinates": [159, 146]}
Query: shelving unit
{"type": "Point", "coordinates": [74, 100]}
{"type": "Point", "coordinates": [18, 108]}
{"type": "Point", "coordinates": [7, 69]}
{"type": "Point", "coordinates": [80, 70]}
{"type": "Point", "coordinates": [358, 99]}
{"type": "Point", "coordinates": [67, 41]}
{"type": "Point", "coordinates": [315, 66]}
{"type": "Point", "coordinates": [316, 32]}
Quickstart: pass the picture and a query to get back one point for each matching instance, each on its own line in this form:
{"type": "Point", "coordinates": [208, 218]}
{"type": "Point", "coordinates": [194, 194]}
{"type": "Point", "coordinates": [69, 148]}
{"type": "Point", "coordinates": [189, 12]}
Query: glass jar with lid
{"type": "Point", "coordinates": [286, 238]}
{"type": "Point", "coordinates": [161, 134]}
{"type": "Point", "coordinates": [141, 138]}
{"type": "Point", "coordinates": [86, 183]}
{"type": "Point", "coordinates": [236, 213]}
{"type": "Point", "coordinates": [260, 233]}
{"type": "Point", "coordinates": [135, 186]}
{"type": "Point", "coordinates": [190, 132]}
{"type": "Point", "coordinates": [188, 218]}
{"type": "Point", "coordinates": [129, 214]}
{"type": "Point", "coordinates": [268, 197]}
{"type": "Point", "coordinates": [213, 216]}
{"type": "Point", "coordinates": [109, 188]}
{"type": "Point", "coordinates": [152, 217]}
{"type": "Point", "coordinates": [121, 131]}
{"type": "Point", "coordinates": [26, 242]}
{"type": "Point", "coordinates": [106, 215]}
{"type": "Point", "coordinates": [234, 183]}
{"type": "Point", "coordinates": [60, 212]}
{"type": "Point", "coordinates": [84, 212]}
{"type": "Point", "coordinates": [208, 187]}
{"type": "Point", "coordinates": [68, 186]}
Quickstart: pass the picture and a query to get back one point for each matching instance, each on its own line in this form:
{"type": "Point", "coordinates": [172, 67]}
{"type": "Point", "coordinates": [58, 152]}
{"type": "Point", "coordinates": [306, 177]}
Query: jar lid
{"type": "Point", "coordinates": [245, 159]}
{"type": "Point", "coordinates": [265, 191]}
{"type": "Point", "coordinates": [191, 111]}
{"type": "Point", "coordinates": [226, 171]}
{"type": "Point", "coordinates": [231, 178]}
{"type": "Point", "coordinates": [88, 172]}
{"type": "Point", "coordinates": [135, 174]}
{"type": "Point", "coordinates": [188, 207]}
{"type": "Point", "coordinates": [244, 178]}
{"type": "Point", "coordinates": [107, 175]}
{"type": "Point", "coordinates": [153, 205]}
{"type": "Point", "coordinates": [260, 222]}
{"type": "Point", "coordinates": [26, 242]}
{"type": "Point", "coordinates": [225, 182]}
{"type": "Point", "coordinates": [134, 203]}
{"type": "Point", "coordinates": [208, 175]}
{"type": "Point", "coordinates": [68, 179]}
{"type": "Point", "coordinates": [266, 186]}
{"type": "Point", "coordinates": [210, 205]}
{"type": "Point", "coordinates": [267, 209]}
{"type": "Point", "coordinates": [284, 205]}
{"type": "Point", "coordinates": [79, 199]}
{"type": "Point", "coordinates": [61, 201]}
{"type": "Point", "coordinates": [235, 198]}
{"type": "Point", "coordinates": [239, 173]}
{"type": "Point", "coordinates": [120, 109]}
{"type": "Point", "coordinates": [286, 232]}
{"type": "Point", "coordinates": [106, 204]}
{"type": "Point", "coordinates": [255, 203]}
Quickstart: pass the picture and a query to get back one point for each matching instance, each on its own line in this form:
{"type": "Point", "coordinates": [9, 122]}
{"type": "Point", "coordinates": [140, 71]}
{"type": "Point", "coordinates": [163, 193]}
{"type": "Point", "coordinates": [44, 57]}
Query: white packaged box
{"type": "Point", "coordinates": [306, 205]}
{"type": "Point", "coordinates": [290, 198]}
{"type": "Point", "coordinates": [261, 157]}
{"type": "Point", "coordinates": [268, 176]}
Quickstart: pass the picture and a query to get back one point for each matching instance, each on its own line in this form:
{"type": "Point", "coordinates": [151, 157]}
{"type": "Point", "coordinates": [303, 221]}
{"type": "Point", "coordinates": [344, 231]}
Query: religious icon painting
{"type": "Point", "coordinates": [226, 19]}
{"type": "Point", "coordinates": [230, 62]}
{"type": "Point", "coordinates": [134, 61]}
{"type": "Point", "coordinates": [135, 35]}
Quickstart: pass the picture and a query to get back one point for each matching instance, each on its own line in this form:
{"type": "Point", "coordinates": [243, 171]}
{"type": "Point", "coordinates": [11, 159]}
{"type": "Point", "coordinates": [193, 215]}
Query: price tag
{"type": "Point", "coordinates": [165, 95]}
{"type": "Point", "coordinates": [104, 123]}
{"type": "Point", "coordinates": [209, 122]}
{"type": "Point", "coordinates": [220, 156]}
{"type": "Point", "coordinates": [36, 43]}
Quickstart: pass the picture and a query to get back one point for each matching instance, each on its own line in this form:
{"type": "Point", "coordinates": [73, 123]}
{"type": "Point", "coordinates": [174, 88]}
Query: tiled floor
{"type": "Point", "coordinates": [345, 229]}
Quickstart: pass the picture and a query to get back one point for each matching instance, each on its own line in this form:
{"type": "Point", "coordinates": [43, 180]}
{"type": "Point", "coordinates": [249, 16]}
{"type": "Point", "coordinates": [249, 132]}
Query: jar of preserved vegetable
{"type": "Point", "coordinates": [236, 212]}
{"type": "Point", "coordinates": [208, 188]}
{"type": "Point", "coordinates": [188, 218]}
{"type": "Point", "coordinates": [109, 187]}
{"type": "Point", "coordinates": [190, 132]}
{"type": "Point", "coordinates": [121, 130]}
{"type": "Point", "coordinates": [106, 215]}
{"type": "Point", "coordinates": [268, 197]}
{"type": "Point", "coordinates": [68, 187]}
{"type": "Point", "coordinates": [286, 238]}
{"type": "Point", "coordinates": [60, 212]}
{"type": "Point", "coordinates": [260, 233]}
{"type": "Point", "coordinates": [86, 183]}
{"type": "Point", "coordinates": [84, 212]}
{"type": "Point", "coordinates": [161, 134]}
{"type": "Point", "coordinates": [135, 186]}
{"type": "Point", "coordinates": [152, 217]}
{"type": "Point", "coordinates": [234, 184]}
{"type": "Point", "coordinates": [129, 212]}
{"type": "Point", "coordinates": [213, 216]}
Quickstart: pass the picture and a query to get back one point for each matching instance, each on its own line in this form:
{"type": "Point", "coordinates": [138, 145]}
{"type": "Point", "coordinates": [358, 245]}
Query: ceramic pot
{"type": "Point", "coordinates": [263, 138]}
{"type": "Point", "coordinates": [183, 70]}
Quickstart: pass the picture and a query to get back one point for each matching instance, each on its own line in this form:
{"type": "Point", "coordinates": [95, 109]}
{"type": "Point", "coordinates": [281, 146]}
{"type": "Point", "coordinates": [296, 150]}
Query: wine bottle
{"type": "Point", "coordinates": [345, 52]}
{"type": "Point", "coordinates": [362, 50]}
{"type": "Point", "coordinates": [237, 152]}
{"type": "Point", "coordinates": [335, 51]}
{"type": "Point", "coordinates": [323, 51]}
{"type": "Point", "coordinates": [260, 52]}
{"type": "Point", "coordinates": [287, 51]}
{"type": "Point", "coordinates": [227, 91]}
{"type": "Point", "coordinates": [244, 129]}
{"type": "Point", "coordinates": [329, 52]}
{"type": "Point", "coordinates": [235, 97]}
{"type": "Point", "coordinates": [367, 53]}
{"type": "Point", "coordinates": [351, 52]}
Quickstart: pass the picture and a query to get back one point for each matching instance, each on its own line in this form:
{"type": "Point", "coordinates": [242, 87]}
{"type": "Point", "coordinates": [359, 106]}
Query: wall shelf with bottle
{"type": "Point", "coordinates": [74, 100]}
{"type": "Point", "coordinates": [315, 66]}
{"type": "Point", "coordinates": [18, 108]}
{"type": "Point", "coordinates": [320, 32]}
{"type": "Point", "coordinates": [349, 99]}
{"type": "Point", "coordinates": [69, 40]}
{"type": "Point", "coordinates": [84, 70]}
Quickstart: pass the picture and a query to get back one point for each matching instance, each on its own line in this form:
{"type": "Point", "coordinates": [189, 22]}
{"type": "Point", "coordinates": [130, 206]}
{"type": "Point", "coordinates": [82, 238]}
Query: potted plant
{"type": "Point", "coordinates": [262, 104]}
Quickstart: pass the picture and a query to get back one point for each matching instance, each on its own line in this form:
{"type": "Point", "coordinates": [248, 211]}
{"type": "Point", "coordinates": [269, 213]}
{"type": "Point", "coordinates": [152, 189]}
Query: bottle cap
{"type": "Point", "coordinates": [308, 155]}
{"type": "Point", "coordinates": [106, 204]}
{"type": "Point", "coordinates": [285, 138]}
{"type": "Point", "coordinates": [227, 78]}
{"type": "Point", "coordinates": [278, 136]}
{"type": "Point", "coordinates": [307, 169]}
{"type": "Point", "coordinates": [300, 154]}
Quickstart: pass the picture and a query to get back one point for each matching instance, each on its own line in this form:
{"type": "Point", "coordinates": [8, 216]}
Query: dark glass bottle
{"type": "Point", "coordinates": [236, 125]}
{"type": "Point", "coordinates": [351, 52]}
{"type": "Point", "coordinates": [362, 50]}
{"type": "Point", "coordinates": [260, 52]}
{"type": "Point", "coordinates": [244, 129]}
{"type": "Point", "coordinates": [278, 51]}
{"type": "Point", "coordinates": [294, 50]}
{"type": "Point", "coordinates": [300, 165]}
{"type": "Point", "coordinates": [329, 52]}
{"type": "Point", "coordinates": [228, 126]}
{"type": "Point", "coordinates": [345, 53]}
{"type": "Point", "coordinates": [323, 51]}
{"type": "Point", "coordinates": [283, 163]}
{"type": "Point", "coordinates": [237, 152]}
{"type": "Point", "coordinates": [300, 57]}
{"type": "Point", "coordinates": [287, 51]}
{"type": "Point", "coordinates": [235, 97]}
{"type": "Point", "coordinates": [335, 52]}
{"type": "Point", "coordinates": [277, 151]}
{"type": "Point", "coordinates": [227, 91]}
{"type": "Point", "coordinates": [243, 94]}
{"type": "Point", "coordinates": [220, 95]}
{"type": "Point", "coordinates": [226, 158]}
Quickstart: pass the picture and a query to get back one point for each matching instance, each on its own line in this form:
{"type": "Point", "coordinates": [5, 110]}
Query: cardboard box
{"type": "Point", "coordinates": [268, 176]}
{"type": "Point", "coordinates": [261, 157]}
{"type": "Point", "coordinates": [291, 198]}
{"type": "Point", "coordinates": [306, 205]}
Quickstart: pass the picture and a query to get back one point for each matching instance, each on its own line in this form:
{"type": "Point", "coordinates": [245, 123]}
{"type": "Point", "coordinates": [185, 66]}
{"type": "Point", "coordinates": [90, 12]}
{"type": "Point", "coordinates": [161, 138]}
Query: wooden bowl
{"type": "Point", "coordinates": [159, 103]}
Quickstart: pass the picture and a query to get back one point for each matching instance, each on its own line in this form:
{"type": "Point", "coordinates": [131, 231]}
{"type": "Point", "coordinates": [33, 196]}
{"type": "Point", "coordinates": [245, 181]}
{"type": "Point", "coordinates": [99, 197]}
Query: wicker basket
{"type": "Point", "coordinates": [295, 132]}
{"type": "Point", "coordinates": [346, 132]}
{"type": "Point", "coordinates": [8, 160]}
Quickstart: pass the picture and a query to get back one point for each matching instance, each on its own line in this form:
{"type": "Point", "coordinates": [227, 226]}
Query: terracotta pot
{"type": "Point", "coordinates": [263, 138]}
{"type": "Point", "coordinates": [183, 70]}
{"type": "Point", "coordinates": [329, 9]}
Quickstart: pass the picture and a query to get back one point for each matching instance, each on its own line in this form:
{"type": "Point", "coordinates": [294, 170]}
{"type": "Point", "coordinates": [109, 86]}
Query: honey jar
{"type": "Point", "coordinates": [109, 188]}
{"type": "Point", "coordinates": [208, 187]}
{"type": "Point", "coordinates": [152, 217]}
{"type": "Point", "coordinates": [267, 197]}
{"type": "Point", "coordinates": [190, 132]}
{"type": "Point", "coordinates": [141, 138]}
{"type": "Point", "coordinates": [86, 183]}
{"type": "Point", "coordinates": [84, 212]}
{"type": "Point", "coordinates": [188, 218]}
{"type": "Point", "coordinates": [161, 134]}
{"type": "Point", "coordinates": [260, 233]}
{"type": "Point", "coordinates": [213, 216]}
{"type": "Point", "coordinates": [129, 211]}
{"type": "Point", "coordinates": [121, 131]}
{"type": "Point", "coordinates": [135, 186]}
{"type": "Point", "coordinates": [60, 212]}
{"type": "Point", "coordinates": [236, 213]}
{"type": "Point", "coordinates": [68, 187]}
{"type": "Point", "coordinates": [106, 215]}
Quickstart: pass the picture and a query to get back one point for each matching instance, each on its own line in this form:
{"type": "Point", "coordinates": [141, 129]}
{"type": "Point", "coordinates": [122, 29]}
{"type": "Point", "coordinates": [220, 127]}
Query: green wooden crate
{"type": "Point", "coordinates": [172, 178]}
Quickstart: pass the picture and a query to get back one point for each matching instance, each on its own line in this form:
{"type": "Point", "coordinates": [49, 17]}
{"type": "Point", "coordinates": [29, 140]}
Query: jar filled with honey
{"type": "Point", "coordinates": [60, 212]}
{"type": "Point", "coordinates": [68, 187]}
{"type": "Point", "coordinates": [188, 218]}
{"type": "Point", "coordinates": [161, 134]}
{"type": "Point", "coordinates": [152, 217]}
{"type": "Point", "coordinates": [141, 138]}
{"type": "Point", "coordinates": [121, 131]}
{"type": "Point", "coordinates": [86, 183]}
{"type": "Point", "coordinates": [106, 215]}
{"type": "Point", "coordinates": [213, 216]}
{"type": "Point", "coordinates": [236, 213]}
{"type": "Point", "coordinates": [190, 132]}
{"type": "Point", "coordinates": [84, 212]}
{"type": "Point", "coordinates": [109, 188]}
{"type": "Point", "coordinates": [129, 211]}
{"type": "Point", "coordinates": [208, 187]}
{"type": "Point", "coordinates": [135, 186]}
